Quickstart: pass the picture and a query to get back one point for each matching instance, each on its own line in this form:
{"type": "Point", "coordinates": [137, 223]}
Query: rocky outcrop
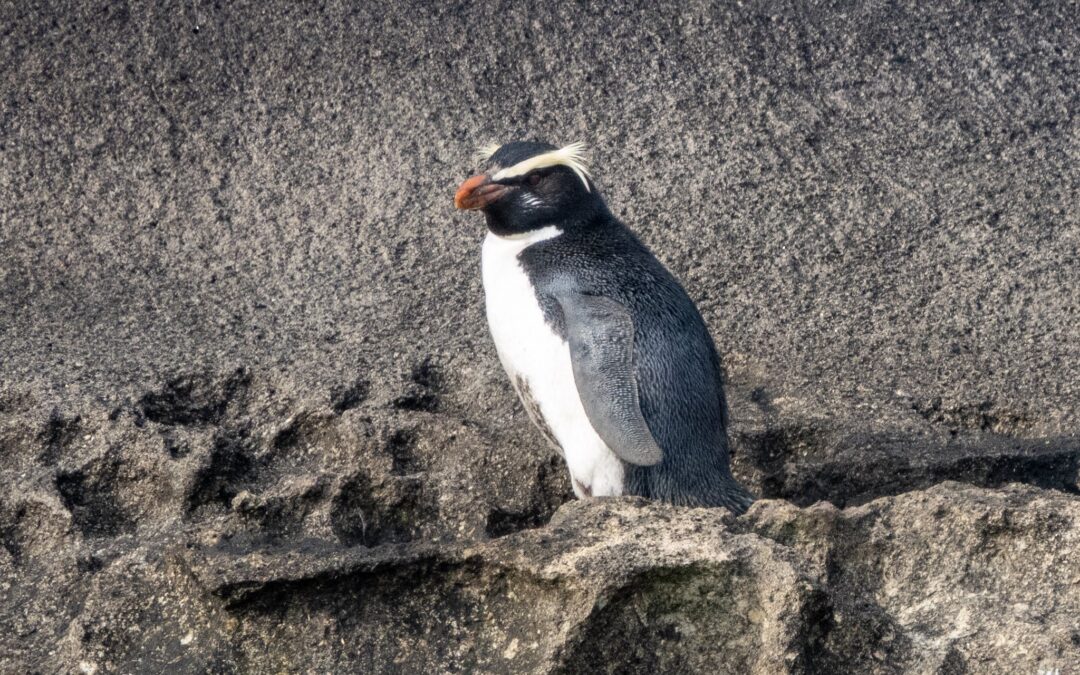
{"type": "Point", "coordinates": [952, 579]}
{"type": "Point", "coordinates": [946, 580]}
{"type": "Point", "coordinates": [250, 418]}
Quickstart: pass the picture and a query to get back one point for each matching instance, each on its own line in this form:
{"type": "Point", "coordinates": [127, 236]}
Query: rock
{"type": "Point", "coordinates": [947, 579]}
{"type": "Point", "coordinates": [951, 579]}
{"type": "Point", "coordinates": [608, 586]}
{"type": "Point", "coordinates": [250, 416]}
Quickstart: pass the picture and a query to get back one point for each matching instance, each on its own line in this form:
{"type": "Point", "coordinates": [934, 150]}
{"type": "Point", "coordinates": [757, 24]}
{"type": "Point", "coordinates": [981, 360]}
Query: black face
{"type": "Point", "coordinates": [553, 195]}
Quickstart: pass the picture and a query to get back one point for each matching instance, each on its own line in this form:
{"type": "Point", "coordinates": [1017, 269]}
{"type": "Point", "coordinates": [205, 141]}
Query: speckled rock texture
{"type": "Point", "coordinates": [251, 419]}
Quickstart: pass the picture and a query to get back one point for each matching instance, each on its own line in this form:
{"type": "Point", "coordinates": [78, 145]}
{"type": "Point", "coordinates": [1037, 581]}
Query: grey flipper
{"type": "Point", "coordinates": [600, 332]}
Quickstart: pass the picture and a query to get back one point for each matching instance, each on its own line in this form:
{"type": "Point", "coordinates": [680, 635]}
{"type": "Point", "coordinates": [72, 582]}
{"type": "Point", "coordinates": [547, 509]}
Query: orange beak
{"type": "Point", "coordinates": [477, 192]}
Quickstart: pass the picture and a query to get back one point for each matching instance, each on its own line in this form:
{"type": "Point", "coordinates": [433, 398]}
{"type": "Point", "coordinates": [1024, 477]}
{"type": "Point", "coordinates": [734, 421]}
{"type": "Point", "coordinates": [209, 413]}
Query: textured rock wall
{"type": "Point", "coordinates": [250, 418]}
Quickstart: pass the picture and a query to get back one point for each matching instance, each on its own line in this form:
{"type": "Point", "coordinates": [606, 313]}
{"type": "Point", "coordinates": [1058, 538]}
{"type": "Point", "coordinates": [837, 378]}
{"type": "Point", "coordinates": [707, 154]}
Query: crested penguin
{"type": "Point", "coordinates": [608, 354]}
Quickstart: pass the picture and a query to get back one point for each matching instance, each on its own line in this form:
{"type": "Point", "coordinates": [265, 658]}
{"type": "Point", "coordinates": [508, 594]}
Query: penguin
{"type": "Point", "coordinates": [608, 354]}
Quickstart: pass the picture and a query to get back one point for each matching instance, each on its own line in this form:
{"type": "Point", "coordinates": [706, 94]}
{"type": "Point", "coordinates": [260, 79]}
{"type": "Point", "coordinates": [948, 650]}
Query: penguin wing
{"type": "Point", "coordinates": [600, 332]}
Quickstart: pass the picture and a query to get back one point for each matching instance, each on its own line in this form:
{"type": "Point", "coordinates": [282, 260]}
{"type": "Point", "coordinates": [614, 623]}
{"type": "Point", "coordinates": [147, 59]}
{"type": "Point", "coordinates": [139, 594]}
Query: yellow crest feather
{"type": "Point", "coordinates": [484, 152]}
{"type": "Point", "coordinates": [571, 156]}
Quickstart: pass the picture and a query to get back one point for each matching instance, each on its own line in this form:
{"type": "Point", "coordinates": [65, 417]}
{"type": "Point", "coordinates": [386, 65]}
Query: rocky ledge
{"type": "Point", "coordinates": [207, 529]}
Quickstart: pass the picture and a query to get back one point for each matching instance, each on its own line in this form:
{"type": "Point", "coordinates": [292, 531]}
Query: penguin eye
{"type": "Point", "coordinates": [533, 179]}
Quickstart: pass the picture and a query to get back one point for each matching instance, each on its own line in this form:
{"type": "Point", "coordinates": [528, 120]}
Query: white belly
{"type": "Point", "coordinates": [538, 363]}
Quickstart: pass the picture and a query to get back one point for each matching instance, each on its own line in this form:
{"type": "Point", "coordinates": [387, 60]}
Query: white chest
{"type": "Point", "coordinates": [538, 363]}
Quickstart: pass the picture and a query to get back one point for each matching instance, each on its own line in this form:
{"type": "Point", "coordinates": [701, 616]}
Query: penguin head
{"type": "Point", "coordinates": [526, 186]}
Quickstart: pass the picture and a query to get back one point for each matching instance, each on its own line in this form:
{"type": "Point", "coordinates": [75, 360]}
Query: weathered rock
{"type": "Point", "coordinates": [953, 579]}
{"type": "Point", "coordinates": [607, 586]}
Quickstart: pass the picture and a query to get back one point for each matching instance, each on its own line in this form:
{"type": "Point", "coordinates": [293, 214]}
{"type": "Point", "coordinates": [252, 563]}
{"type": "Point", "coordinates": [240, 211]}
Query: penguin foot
{"type": "Point", "coordinates": [582, 491]}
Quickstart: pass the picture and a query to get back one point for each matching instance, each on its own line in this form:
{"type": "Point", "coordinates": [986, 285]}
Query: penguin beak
{"type": "Point", "coordinates": [478, 192]}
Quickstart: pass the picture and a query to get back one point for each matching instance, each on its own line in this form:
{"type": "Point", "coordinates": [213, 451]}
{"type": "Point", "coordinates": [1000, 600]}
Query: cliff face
{"type": "Point", "coordinates": [251, 420]}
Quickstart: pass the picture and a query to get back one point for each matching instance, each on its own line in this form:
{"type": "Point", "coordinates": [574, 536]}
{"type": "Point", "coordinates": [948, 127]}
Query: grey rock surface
{"type": "Point", "coordinates": [250, 417]}
{"type": "Point", "coordinates": [951, 579]}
